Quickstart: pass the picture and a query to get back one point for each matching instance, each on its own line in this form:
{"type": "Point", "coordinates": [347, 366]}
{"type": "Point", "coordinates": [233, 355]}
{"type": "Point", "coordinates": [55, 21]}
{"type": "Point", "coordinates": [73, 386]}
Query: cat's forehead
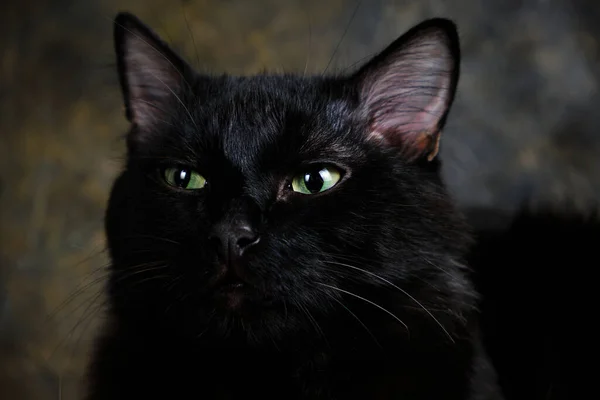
{"type": "Point", "coordinates": [251, 115]}
{"type": "Point", "coordinates": [274, 95]}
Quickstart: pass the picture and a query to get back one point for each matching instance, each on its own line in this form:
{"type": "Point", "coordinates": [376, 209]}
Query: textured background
{"type": "Point", "coordinates": [524, 126]}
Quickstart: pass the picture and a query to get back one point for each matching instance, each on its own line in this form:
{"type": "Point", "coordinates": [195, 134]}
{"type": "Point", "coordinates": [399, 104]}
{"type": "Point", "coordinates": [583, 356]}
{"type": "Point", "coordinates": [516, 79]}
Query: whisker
{"type": "Point", "coordinates": [152, 237]}
{"type": "Point", "coordinates": [170, 287]}
{"type": "Point", "coordinates": [358, 3]}
{"type": "Point", "coordinates": [212, 314]}
{"type": "Point", "coordinates": [367, 301]}
{"type": "Point", "coordinates": [399, 289]}
{"type": "Point", "coordinates": [152, 278]}
{"type": "Point", "coordinates": [187, 24]}
{"type": "Point", "coordinates": [163, 111]}
{"type": "Point", "coordinates": [72, 297]}
{"type": "Point", "coordinates": [178, 99]}
{"type": "Point", "coordinates": [356, 317]}
{"type": "Point", "coordinates": [173, 283]}
{"type": "Point", "coordinates": [122, 275]}
{"type": "Point", "coordinates": [312, 320]}
{"type": "Point", "coordinates": [428, 261]}
{"type": "Point", "coordinates": [309, 40]}
{"type": "Point", "coordinates": [355, 63]}
{"type": "Point", "coordinates": [90, 303]}
{"type": "Point", "coordinates": [79, 290]}
{"type": "Point", "coordinates": [90, 317]}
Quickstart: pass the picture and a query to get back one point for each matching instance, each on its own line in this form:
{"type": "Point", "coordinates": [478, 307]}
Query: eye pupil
{"type": "Point", "coordinates": [314, 181]}
{"type": "Point", "coordinates": [182, 177]}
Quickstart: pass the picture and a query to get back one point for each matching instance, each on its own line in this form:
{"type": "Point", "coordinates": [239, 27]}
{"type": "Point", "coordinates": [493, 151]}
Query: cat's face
{"type": "Point", "coordinates": [257, 202]}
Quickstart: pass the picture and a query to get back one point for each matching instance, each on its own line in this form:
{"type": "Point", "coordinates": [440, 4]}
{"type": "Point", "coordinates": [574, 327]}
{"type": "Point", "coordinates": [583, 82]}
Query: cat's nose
{"type": "Point", "coordinates": [231, 240]}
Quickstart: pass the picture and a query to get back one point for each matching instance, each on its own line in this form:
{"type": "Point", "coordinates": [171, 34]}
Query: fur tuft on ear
{"type": "Point", "coordinates": [151, 74]}
{"type": "Point", "coordinates": [406, 91]}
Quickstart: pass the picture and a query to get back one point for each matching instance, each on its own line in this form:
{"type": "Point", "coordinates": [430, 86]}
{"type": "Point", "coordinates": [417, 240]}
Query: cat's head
{"type": "Point", "coordinates": [256, 202]}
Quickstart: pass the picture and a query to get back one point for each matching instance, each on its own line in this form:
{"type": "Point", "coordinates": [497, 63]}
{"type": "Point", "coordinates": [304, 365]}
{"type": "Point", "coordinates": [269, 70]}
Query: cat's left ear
{"type": "Point", "coordinates": [406, 91]}
{"type": "Point", "coordinates": [152, 75]}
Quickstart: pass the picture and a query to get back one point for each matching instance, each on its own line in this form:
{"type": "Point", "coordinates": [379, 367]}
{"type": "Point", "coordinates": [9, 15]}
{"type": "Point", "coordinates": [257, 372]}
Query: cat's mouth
{"type": "Point", "coordinates": [228, 284]}
{"type": "Point", "coordinates": [229, 278]}
{"type": "Point", "coordinates": [231, 290]}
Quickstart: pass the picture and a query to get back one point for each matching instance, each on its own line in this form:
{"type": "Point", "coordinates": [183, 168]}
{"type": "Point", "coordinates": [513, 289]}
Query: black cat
{"type": "Point", "coordinates": [288, 237]}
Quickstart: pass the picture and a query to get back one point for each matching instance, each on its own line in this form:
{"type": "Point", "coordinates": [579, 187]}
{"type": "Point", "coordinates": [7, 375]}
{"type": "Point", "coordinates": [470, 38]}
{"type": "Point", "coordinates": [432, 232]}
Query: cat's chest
{"type": "Point", "coordinates": [157, 371]}
{"type": "Point", "coordinates": [319, 378]}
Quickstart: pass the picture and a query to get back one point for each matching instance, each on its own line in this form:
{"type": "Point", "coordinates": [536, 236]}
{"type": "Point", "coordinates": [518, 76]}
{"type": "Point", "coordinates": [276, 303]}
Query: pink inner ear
{"type": "Point", "coordinates": [153, 80]}
{"type": "Point", "coordinates": [407, 118]}
{"type": "Point", "coordinates": [408, 94]}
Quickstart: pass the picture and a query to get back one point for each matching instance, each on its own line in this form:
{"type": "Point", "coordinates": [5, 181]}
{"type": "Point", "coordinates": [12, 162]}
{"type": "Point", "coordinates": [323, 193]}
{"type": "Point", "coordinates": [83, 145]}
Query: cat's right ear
{"type": "Point", "coordinates": [406, 91]}
{"type": "Point", "coordinates": [152, 76]}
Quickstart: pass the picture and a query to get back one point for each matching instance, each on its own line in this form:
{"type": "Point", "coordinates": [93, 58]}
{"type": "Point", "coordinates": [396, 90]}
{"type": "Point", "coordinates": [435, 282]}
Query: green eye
{"type": "Point", "coordinates": [184, 178]}
{"type": "Point", "coordinates": [317, 180]}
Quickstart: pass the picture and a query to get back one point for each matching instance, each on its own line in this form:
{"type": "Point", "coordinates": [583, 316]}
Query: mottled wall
{"type": "Point", "coordinates": [524, 124]}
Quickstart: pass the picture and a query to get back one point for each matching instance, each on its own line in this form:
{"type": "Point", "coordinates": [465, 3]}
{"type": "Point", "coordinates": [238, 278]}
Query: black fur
{"type": "Point", "coordinates": [536, 274]}
{"type": "Point", "coordinates": [387, 232]}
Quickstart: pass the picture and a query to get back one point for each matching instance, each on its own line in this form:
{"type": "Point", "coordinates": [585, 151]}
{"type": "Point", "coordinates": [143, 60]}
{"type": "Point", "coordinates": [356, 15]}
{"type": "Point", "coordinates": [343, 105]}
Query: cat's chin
{"type": "Point", "coordinates": [232, 295]}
